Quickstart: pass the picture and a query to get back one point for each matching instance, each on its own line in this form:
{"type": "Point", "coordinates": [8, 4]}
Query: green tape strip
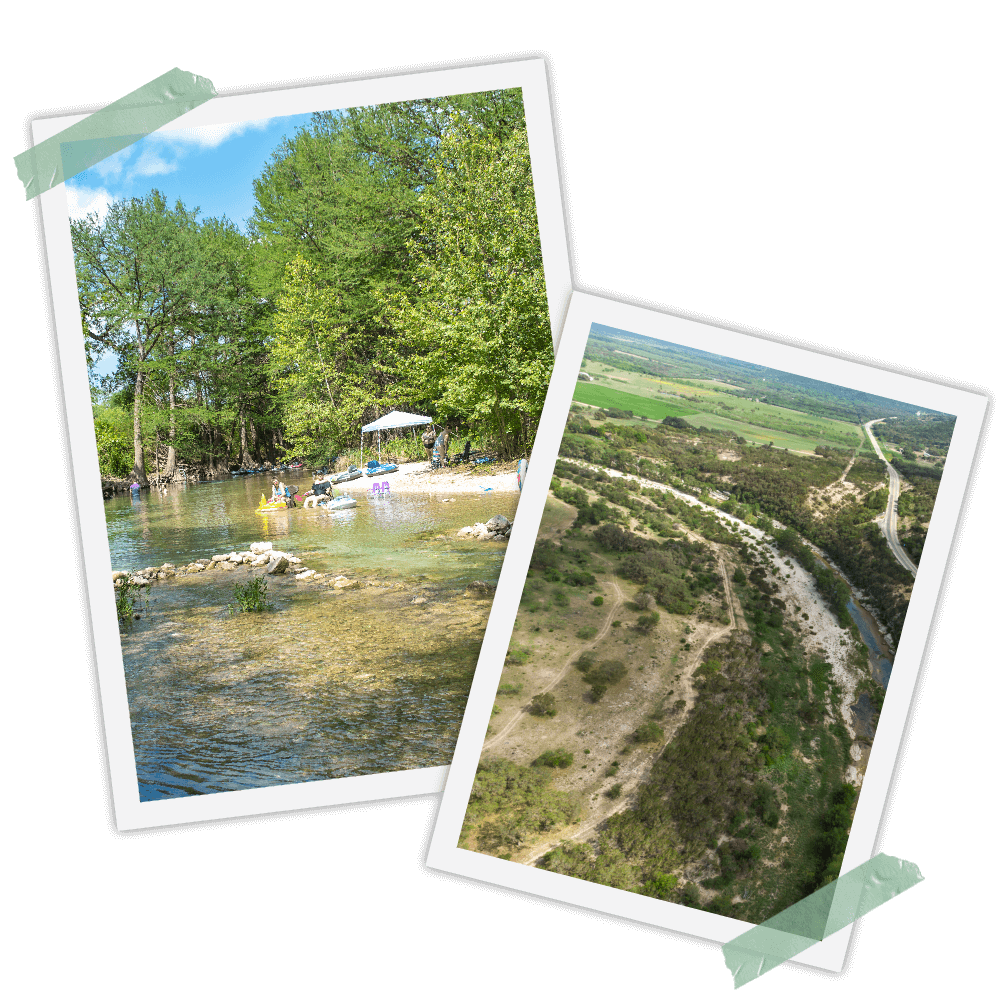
{"type": "Point", "coordinates": [816, 917]}
{"type": "Point", "coordinates": [112, 128]}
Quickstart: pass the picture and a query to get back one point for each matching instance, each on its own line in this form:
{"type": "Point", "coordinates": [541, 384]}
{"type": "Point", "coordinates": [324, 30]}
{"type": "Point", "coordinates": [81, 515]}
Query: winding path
{"type": "Point", "coordinates": [603, 810]}
{"type": "Point", "coordinates": [619, 599]}
{"type": "Point", "coordinates": [889, 522]}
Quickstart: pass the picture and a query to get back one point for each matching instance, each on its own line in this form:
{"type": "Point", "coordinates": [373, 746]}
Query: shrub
{"type": "Point", "coordinates": [543, 704]}
{"type": "Point", "coordinates": [616, 624]}
{"type": "Point", "coordinates": [597, 601]}
{"type": "Point", "coordinates": [251, 596]}
{"type": "Point", "coordinates": [647, 622]}
{"type": "Point", "coordinates": [659, 886]}
{"type": "Point", "coordinates": [554, 758]}
{"type": "Point", "coordinates": [580, 578]}
{"type": "Point", "coordinates": [509, 689]}
{"type": "Point", "coordinates": [602, 676]}
{"type": "Point", "coordinates": [615, 791]}
{"type": "Point", "coordinates": [517, 656]}
{"type": "Point", "coordinates": [587, 632]}
{"type": "Point", "coordinates": [128, 596]}
{"type": "Point", "coordinates": [648, 732]}
{"type": "Point", "coordinates": [691, 896]}
{"type": "Point", "coordinates": [560, 599]}
{"type": "Point", "coordinates": [585, 661]}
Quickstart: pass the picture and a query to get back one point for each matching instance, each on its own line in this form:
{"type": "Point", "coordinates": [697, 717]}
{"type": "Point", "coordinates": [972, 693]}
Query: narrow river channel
{"type": "Point", "coordinates": [327, 683]}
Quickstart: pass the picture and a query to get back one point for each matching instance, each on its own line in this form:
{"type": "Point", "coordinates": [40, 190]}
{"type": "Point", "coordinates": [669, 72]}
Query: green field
{"type": "Point", "coordinates": [709, 404]}
{"type": "Point", "coordinates": [641, 406]}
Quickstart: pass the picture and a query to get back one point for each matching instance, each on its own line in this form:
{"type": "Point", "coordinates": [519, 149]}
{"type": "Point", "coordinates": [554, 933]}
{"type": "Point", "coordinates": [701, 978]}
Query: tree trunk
{"type": "Point", "coordinates": [138, 464]}
{"type": "Point", "coordinates": [171, 468]}
{"type": "Point", "coordinates": [244, 460]}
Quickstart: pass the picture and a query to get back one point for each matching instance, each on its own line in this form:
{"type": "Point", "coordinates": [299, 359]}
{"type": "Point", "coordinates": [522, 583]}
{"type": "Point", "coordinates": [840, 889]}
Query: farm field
{"type": "Point", "coordinates": [719, 409]}
{"type": "Point", "coordinates": [642, 406]}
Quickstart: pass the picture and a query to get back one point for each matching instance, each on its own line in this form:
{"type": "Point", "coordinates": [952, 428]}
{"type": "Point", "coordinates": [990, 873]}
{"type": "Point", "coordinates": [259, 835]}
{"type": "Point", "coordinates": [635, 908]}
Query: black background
{"type": "Point", "coordinates": [770, 203]}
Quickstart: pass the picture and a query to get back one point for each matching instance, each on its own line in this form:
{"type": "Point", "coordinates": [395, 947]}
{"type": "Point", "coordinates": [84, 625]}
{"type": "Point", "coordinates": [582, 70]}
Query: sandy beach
{"type": "Point", "coordinates": [419, 477]}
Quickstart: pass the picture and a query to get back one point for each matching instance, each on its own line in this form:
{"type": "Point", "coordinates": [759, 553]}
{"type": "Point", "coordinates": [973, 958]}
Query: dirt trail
{"type": "Point", "coordinates": [590, 644]}
{"type": "Point", "coordinates": [604, 808]}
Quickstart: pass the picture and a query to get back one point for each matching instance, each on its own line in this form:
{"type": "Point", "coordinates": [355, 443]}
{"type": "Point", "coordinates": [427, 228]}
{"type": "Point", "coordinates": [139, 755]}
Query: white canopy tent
{"type": "Point", "coordinates": [397, 418]}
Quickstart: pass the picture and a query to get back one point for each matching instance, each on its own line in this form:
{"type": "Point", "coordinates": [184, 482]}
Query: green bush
{"type": "Point", "coordinates": [648, 622]}
{"type": "Point", "coordinates": [648, 732]}
{"type": "Point", "coordinates": [690, 896]}
{"type": "Point", "coordinates": [602, 676]}
{"type": "Point", "coordinates": [517, 656]}
{"type": "Point", "coordinates": [586, 632]}
{"type": "Point", "coordinates": [597, 601]}
{"type": "Point", "coordinates": [554, 758]}
{"type": "Point", "coordinates": [659, 886]}
{"type": "Point", "coordinates": [128, 598]}
{"type": "Point", "coordinates": [543, 704]}
{"type": "Point", "coordinates": [509, 689]}
{"type": "Point", "coordinates": [615, 791]}
{"type": "Point", "coordinates": [251, 596]}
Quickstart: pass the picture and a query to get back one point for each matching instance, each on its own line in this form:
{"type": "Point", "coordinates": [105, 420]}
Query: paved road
{"type": "Point", "coordinates": [889, 521]}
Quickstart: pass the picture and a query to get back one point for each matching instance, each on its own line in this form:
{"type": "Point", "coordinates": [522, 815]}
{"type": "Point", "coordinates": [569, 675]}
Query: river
{"type": "Point", "coordinates": [327, 683]}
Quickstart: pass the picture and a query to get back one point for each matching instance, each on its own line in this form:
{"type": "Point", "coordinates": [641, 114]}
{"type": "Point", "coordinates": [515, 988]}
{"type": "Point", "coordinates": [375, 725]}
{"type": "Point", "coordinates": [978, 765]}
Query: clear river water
{"type": "Point", "coordinates": [327, 683]}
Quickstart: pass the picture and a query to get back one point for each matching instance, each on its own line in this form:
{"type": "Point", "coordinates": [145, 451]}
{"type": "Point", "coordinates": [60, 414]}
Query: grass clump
{"type": "Point", "coordinates": [517, 656]}
{"type": "Point", "coordinates": [129, 600]}
{"type": "Point", "coordinates": [251, 596]}
{"type": "Point", "coordinates": [509, 689]}
{"type": "Point", "coordinates": [586, 632]}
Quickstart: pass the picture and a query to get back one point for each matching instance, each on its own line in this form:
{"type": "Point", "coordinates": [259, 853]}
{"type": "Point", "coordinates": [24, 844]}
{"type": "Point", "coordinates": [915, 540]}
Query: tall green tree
{"type": "Point", "coordinates": [134, 278]}
{"type": "Point", "coordinates": [477, 327]}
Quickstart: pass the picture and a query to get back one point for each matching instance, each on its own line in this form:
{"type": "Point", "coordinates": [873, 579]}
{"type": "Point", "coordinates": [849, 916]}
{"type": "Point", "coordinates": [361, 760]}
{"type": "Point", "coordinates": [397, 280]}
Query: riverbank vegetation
{"type": "Point", "coordinates": [392, 262]}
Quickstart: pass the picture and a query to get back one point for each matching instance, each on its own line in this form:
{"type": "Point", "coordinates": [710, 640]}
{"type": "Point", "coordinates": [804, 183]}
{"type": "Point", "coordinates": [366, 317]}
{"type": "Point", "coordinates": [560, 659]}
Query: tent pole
{"type": "Point", "coordinates": [378, 437]}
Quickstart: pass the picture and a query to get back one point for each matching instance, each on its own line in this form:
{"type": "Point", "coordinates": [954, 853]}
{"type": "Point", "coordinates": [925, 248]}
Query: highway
{"type": "Point", "coordinates": [889, 521]}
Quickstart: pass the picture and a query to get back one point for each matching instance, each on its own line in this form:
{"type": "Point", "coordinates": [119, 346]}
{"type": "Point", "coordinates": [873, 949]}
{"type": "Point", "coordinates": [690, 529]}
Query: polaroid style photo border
{"type": "Point", "coordinates": [585, 310]}
{"type": "Point", "coordinates": [130, 813]}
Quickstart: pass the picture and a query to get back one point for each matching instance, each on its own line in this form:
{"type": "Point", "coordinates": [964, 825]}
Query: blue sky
{"type": "Point", "coordinates": [211, 168]}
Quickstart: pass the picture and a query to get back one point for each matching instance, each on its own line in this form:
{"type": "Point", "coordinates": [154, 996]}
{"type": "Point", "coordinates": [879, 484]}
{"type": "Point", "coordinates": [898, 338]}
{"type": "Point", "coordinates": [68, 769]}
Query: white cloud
{"type": "Point", "coordinates": [150, 164]}
{"type": "Point", "coordinates": [208, 136]}
{"type": "Point", "coordinates": [113, 165]}
{"type": "Point", "coordinates": [83, 200]}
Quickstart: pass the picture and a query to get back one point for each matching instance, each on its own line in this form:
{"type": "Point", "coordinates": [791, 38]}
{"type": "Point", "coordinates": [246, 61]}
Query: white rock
{"type": "Point", "coordinates": [497, 523]}
{"type": "Point", "coordinates": [305, 574]}
{"type": "Point", "coordinates": [258, 547]}
{"type": "Point", "coordinates": [294, 560]}
{"type": "Point", "coordinates": [261, 560]}
{"type": "Point", "coordinates": [277, 566]}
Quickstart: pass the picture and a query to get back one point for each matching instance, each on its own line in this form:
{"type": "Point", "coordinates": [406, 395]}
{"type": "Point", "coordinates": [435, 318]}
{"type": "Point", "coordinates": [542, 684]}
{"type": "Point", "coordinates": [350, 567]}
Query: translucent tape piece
{"type": "Point", "coordinates": [816, 917]}
{"type": "Point", "coordinates": [112, 128]}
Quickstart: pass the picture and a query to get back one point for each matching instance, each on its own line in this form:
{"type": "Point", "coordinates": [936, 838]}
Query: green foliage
{"type": "Point", "coordinates": [509, 803]}
{"type": "Point", "coordinates": [517, 655]}
{"type": "Point", "coordinates": [114, 441]}
{"type": "Point", "coordinates": [597, 601]}
{"type": "Point", "coordinates": [660, 886]}
{"type": "Point", "coordinates": [507, 688]}
{"type": "Point", "coordinates": [647, 622]}
{"type": "Point", "coordinates": [543, 705]}
{"type": "Point", "coordinates": [251, 596]}
{"type": "Point", "coordinates": [601, 676]}
{"type": "Point", "coordinates": [648, 732]}
{"type": "Point", "coordinates": [615, 791]}
{"type": "Point", "coordinates": [554, 758]}
{"type": "Point", "coordinates": [586, 632]}
{"type": "Point", "coordinates": [129, 600]}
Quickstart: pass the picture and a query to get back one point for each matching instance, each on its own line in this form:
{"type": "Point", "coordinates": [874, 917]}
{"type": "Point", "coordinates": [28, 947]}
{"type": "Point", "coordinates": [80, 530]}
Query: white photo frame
{"type": "Point", "coordinates": [585, 310]}
{"type": "Point", "coordinates": [130, 813]}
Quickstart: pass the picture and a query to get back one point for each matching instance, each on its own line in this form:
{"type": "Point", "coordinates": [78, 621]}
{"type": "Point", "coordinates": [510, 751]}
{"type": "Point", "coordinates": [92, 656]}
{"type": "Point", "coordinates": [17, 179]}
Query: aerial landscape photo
{"type": "Point", "coordinates": [707, 628]}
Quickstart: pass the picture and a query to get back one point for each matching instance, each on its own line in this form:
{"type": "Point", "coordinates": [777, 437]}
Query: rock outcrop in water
{"type": "Point", "coordinates": [497, 528]}
{"type": "Point", "coordinates": [260, 555]}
